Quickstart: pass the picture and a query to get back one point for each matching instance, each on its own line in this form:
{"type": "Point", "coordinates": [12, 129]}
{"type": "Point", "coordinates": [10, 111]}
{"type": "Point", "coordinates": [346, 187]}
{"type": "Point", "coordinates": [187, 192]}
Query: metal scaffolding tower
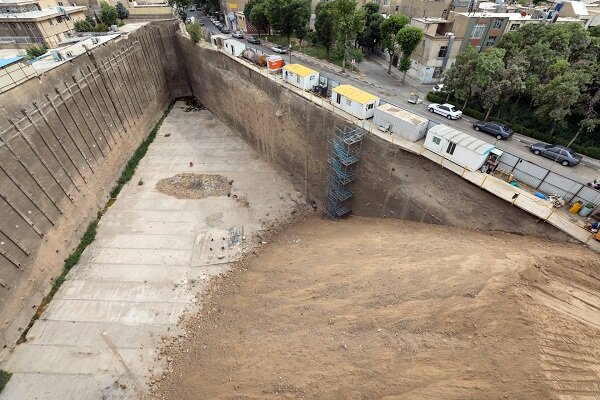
{"type": "Point", "coordinates": [343, 156]}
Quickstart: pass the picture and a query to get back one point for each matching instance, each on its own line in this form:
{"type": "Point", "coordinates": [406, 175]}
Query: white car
{"type": "Point", "coordinates": [447, 110]}
{"type": "Point", "coordinates": [438, 88]}
{"type": "Point", "coordinates": [279, 49]}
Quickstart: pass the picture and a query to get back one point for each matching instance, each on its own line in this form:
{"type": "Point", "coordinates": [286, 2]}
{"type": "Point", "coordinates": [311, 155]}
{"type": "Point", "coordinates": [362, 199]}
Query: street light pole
{"type": "Point", "coordinates": [290, 49]}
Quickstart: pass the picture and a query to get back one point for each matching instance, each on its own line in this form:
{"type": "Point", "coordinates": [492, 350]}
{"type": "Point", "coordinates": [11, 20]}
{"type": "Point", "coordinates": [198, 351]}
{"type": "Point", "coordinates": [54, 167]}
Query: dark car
{"type": "Point", "coordinates": [225, 29]}
{"type": "Point", "coordinates": [493, 128]}
{"type": "Point", "coordinates": [253, 40]}
{"type": "Point", "coordinates": [561, 154]}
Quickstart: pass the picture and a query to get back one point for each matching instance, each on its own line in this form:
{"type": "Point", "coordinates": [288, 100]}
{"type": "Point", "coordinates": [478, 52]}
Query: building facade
{"type": "Point", "coordinates": [24, 23]}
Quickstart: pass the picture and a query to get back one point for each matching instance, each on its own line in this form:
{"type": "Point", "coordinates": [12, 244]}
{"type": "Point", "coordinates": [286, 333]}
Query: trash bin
{"type": "Point", "coordinates": [586, 210]}
{"type": "Point", "coordinates": [575, 207]}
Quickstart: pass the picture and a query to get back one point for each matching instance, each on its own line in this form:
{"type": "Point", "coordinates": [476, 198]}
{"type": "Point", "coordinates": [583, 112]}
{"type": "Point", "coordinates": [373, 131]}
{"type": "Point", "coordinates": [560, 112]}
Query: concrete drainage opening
{"type": "Point", "coordinates": [194, 186]}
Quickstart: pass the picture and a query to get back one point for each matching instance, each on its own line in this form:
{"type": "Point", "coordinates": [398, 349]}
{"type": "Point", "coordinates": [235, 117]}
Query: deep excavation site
{"type": "Point", "coordinates": [199, 264]}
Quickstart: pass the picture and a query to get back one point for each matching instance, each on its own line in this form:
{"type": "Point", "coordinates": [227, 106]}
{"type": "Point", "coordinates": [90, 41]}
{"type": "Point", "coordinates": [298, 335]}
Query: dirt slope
{"type": "Point", "coordinates": [381, 309]}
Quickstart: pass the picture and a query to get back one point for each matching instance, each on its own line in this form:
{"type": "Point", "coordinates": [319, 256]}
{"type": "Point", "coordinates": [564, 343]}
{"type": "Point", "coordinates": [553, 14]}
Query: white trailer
{"type": "Point", "coordinates": [459, 147]}
{"type": "Point", "coordinates": [234, 47]}
{"type": "Point", "coordinates": [300, 76]}
{"type": "Point", "coordinates": [401, 122]}
{"type": "Point", "coordinates": [354, 101]}
{"type": "Point", "coordinates": [217, 40]}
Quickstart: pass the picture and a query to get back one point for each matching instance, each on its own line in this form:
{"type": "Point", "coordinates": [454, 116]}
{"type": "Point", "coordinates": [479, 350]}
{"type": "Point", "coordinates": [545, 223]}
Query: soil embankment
{"type": "Point", "coordinates": [369, 308]}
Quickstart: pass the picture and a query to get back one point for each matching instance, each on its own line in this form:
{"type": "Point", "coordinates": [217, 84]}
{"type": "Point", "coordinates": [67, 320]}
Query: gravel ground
{"type": "Point", "coordinates": [194, 186]}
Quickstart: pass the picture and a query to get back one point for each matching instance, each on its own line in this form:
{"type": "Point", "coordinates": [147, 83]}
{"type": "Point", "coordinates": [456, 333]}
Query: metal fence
{"type": "Point", "coordinates": [547, 181]}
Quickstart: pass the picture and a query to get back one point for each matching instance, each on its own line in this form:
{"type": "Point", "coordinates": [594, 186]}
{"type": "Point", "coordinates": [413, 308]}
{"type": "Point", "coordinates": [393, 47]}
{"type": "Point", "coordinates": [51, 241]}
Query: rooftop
{"type": "Point", "coordinates": [355, 94]}
{"type": "Point", "coordinates": [489, 15]}
{"type": "Point", "coordinates": [462, 139]}
{"type": "Point", "coordinates": [43, 13]}
{"type": "Point", "coordinates": [402, 114]}
{"type": "Point", "coordinates": [11, 60]}
{"type": "Point", "coordinates": [299, 70]}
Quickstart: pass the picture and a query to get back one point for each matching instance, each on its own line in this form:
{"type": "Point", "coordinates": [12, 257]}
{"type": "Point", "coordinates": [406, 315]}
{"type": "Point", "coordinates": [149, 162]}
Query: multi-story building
{"type": "Point", "coordinates": [44, 22]}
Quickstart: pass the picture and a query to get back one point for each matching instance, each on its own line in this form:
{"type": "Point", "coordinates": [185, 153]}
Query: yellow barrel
{"type": "Point", "coordinates": [574, 209]}
{"type": "Point", "coordinates": [597, 236]}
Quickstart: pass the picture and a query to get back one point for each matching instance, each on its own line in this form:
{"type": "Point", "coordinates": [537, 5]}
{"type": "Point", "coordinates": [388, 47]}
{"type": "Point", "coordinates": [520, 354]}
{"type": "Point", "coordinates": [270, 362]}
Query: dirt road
{"type": "Point", "coordinates": [382, 309]}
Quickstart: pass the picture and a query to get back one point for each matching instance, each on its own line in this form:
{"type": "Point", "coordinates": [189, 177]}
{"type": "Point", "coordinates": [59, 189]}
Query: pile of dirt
{"type": "Point", "coordinates": [194, 186]}
{"type": "Point", "coordinates": [368, 308]}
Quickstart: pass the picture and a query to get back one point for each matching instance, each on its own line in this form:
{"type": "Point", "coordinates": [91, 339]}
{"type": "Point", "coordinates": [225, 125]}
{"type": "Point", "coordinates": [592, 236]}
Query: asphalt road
{"type": "Point", "coordinates": [373, 78]}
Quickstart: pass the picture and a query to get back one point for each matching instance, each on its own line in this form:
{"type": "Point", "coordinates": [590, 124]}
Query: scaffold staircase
{"type": "Point", "coordinates": [342, 156]}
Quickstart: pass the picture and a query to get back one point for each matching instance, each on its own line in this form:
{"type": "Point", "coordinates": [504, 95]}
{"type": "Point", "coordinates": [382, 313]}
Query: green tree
{"type": "Point", "coordinates": [594, 31]}
{"type": "Point", "coordinates": [83, 25]}
{"type": "Point", "coordinates": [348, 21]}
{"type": "Point", "coordinates": [324, 23]}
{"type": "Point", "coordinates": [555, 100]}
{"type": "Point", "coordinates": [408, 39]}
{"type": "Point", "coordinates": [194, 31]}
{"type": "Point", "coordinates": [180, 3]}
{"type": "Point", "coordinates": [460, 77]}
{"type": "Point", "coordinates": [370, 9]}
{"type": "Point", "coordinates": [258, 18]}
{"type": "Point", "coordinates": [286, 16]}
{"type": "Point", "coordinates": [108, 14]}
{"type": "Point", "coordinates": [122, 11]}
{"type": "Point", "coordinates": [369, 37]}
{"type": "Point", "coordinates": [35, 51]}
{"type": "Point", "coordinates": [388, 30]}
{"type": "Point", "coordinates": [250, 5]}
{"type": "Point", "coordinates": [489, 71]}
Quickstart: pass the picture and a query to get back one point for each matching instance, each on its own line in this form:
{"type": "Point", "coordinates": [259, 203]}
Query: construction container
{"type": "Point", "coordinates": [575, 207]}
{"type": "Point", "coordinates": [459, 147]}
{"type": "Point", "coordinates": [233, 47]}
{"type": "Point", "coordinates": [300, 76]}
{"type": "Point", "coordinates": [274, 64]}
{"type": "Point", "coordinates": [217, 40]}
{"type": "Point", "coordinates": [401, 122]}
{"type": "Point", "coordinates": [354, 101]}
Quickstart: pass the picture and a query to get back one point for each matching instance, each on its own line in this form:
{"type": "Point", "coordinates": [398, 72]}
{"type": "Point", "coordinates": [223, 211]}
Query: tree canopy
{"type": "Point", "coordinates": [388, 31]}
{"type": "Point", "coordinates": [408, 39]}
{"type": "Point", "coordinates": [348, 21]}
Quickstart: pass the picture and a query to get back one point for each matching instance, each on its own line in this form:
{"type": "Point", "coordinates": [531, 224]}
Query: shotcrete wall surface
{"type": "Point", "coordinates": [292, 132]}
{"type": "Point", "coordinates": [64, 139]}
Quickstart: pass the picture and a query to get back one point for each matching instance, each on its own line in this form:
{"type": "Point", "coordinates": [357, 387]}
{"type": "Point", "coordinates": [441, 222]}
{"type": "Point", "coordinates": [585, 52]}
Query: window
{"type": "Point", "coordinates": [339, 98]}
{"type": "Point", "coordinates": [60, 3]}
{"type": "Point", "coordinates": [297, 78]}
{"type": "Point", "coordinates": [58, 20]}
{"type": "Point", "coordinates": [50, 22]}
{"type": "Point", "coordinates": [477, 32]}
{"type": "Point", "coordinates": [498, 23]}
{"type": "Point", "coordinates": [442, 52]}
{"type": "Point", "coordinates": [386, 2]}
{"type": "Point", "coordinates": [436, 140]}
{"type": "Point", "coordinates": [397, 8]}
{"type": "Point", "coordinates": [370, 106]}
{"type": "Point", "coordinates": [348, 102]}
{"type": "Point", "coordinates": [437, 72]}
{"type": "Point", "coordinates": [451, 147]}
{"type": "Point", "coordinates": [490, 41]}
{"type": "Point", "coordinates": [514, 27]}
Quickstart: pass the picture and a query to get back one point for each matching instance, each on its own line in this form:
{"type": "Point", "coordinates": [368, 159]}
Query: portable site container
{"type": "Point", "coordinates": [401, 122]}
{"type": "Point", "coordinates": [217, 40]}
{"type": "Point", "coordinates": [458, 147]}
{"type": "Point", "coordinates": [274, 63]}
{"type": "Point", "coordinates": [300, 76]}
{"type": "Point", "coordinates": [354, 101]}
{"type": "Point", "coordinates": [234, 47]}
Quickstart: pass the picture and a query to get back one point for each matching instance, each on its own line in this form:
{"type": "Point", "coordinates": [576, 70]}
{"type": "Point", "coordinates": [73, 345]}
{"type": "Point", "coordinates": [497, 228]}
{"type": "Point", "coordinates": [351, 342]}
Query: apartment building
{"type": "Point", "coordinates": [44, 22]}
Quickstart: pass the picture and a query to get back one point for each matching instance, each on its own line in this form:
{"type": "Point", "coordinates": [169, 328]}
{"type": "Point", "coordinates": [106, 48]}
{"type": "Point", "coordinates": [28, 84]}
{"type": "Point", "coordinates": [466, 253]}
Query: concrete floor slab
{"type": "Point", "coordinates": [100, 335]}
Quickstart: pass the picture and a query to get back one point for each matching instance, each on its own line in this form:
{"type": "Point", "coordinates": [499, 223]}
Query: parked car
{"type": "Point", "coordinates": [224, 29]}
{"type": "Point", "coordinates": [438, 88]}
{"type": "Point", "coordinates": [238, 35]}
{"type": "Point", "coordinates": [447, 110]}
{"type": "Point", "coordinates": [279, 49]}
{"type": "Point", "coordinates": [561, 154]}
{"type": "Point", "coordinates": [493, 128]}
{"type": "Point", "coordinates": [253, 40]}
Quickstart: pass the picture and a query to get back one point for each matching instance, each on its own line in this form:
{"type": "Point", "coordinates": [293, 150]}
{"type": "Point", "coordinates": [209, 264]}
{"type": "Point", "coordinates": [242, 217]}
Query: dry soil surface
{"type": "Point", "coordinates": [382, 309]}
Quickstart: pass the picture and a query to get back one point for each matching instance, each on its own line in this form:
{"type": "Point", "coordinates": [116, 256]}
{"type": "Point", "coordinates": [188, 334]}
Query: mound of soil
{"type": "Point", "coordinates": [193, 186]}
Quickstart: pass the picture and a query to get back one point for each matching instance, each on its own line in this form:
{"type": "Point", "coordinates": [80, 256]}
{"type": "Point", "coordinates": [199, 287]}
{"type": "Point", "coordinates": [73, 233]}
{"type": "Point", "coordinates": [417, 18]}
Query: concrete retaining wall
{"type": "Point", "coordinates": [293, 133]}
{"type": "Point", "coordinates": [64, 138]}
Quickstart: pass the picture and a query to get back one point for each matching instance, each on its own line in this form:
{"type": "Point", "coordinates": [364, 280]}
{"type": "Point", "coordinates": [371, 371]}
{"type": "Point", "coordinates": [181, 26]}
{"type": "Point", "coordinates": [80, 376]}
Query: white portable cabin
{"type": "Point", "coordinates": [217, 40]}
{"type": "Point", "coordinates": [354, 101]}
{"type": "Point", "coordinates": [300, 76]}
{"type": "Point", "coordinates": [234, 47]}
{"type": "Point", "coordinates": [401, 122]}
{"type": "Point", "coordinates": [459, 147]}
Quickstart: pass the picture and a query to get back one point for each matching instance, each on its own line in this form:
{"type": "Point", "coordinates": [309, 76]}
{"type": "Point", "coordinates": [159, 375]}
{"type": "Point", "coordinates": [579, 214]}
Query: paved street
{"type": "Point", "coordinates": [373, 77]}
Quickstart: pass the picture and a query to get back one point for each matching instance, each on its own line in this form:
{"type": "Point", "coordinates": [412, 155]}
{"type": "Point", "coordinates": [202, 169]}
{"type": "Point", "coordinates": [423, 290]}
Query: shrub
{"type": "Point", "coordinates": [474, 113]}
{"type": "Point", "coordinates": [108, 14]}
{"type": "Point", "coordinates": [122, 11]}
{"type": "Point", "coordinates": [194, 31]}
{"type": "Point", "coordinates": [101, 27]}
{"type": "Point", "coordinates": [35, 51]}
{"type": "Point", "coordinates": [434, 98]}
{"type": "Point", "coordinates": [83, 26]}
{"type": "Point", "coordinates": [4, 378]}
